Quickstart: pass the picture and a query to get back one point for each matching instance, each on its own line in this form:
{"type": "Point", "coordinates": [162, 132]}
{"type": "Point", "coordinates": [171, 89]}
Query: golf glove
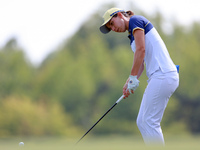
{"type": "Point", "coordinates": [133, 83]}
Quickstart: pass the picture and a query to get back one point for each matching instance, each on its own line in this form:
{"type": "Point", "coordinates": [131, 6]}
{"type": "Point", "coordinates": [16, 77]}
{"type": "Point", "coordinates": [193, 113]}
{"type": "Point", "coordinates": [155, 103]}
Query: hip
{"type": "Point", "coordinates": [168, 75]}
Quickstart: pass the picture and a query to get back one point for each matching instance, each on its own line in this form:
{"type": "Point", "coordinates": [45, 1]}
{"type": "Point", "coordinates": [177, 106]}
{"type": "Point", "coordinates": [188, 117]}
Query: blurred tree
{"type": "Point", "coordinates": [100, 65]}
{"type": "Point", "coordinates": [185, 45]}
{"type": "Point", "coordinates": [21, 116]}
{"type": "Point", "coordinates": [86, 75]}
{"type": "Point", "coordinates": [16, 72]}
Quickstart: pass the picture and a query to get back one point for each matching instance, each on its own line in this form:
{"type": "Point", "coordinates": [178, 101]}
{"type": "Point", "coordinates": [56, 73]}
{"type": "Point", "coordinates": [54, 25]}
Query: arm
{"type": "Point", "coordinates": [140, 70]}
{"type": "Point", "coordinates": [139, 53]}
{"type": "Point", "coordinates": [138, 62]}
{"type": "Point", "coordinates": [139, 74]}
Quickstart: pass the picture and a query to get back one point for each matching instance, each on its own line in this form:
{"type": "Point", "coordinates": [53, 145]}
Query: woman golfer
{"type": "Point", "coordinates": [163, 79]}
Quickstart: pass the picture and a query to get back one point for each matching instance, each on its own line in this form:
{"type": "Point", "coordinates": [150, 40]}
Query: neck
{"type": "Point", "coordinates": [127, 23]}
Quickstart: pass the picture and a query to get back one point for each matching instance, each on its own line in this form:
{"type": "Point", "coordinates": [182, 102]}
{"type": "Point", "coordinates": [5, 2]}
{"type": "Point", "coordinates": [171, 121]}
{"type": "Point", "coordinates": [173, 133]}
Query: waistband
{"type": "Point", "coordinates": [159, 74]}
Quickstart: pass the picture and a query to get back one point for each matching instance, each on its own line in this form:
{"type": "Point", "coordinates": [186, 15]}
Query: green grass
{"type": "Point", "coordinates": [98, 143]}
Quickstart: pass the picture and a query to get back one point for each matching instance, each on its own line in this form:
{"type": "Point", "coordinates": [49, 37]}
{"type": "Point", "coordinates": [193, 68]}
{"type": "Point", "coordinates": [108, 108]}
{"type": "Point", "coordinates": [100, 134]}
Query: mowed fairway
{"type": "Point", "coordinates": [98, 143]}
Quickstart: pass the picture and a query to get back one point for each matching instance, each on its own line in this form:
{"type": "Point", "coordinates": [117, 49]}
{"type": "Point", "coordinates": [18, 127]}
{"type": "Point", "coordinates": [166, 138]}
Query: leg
{"type": "Point", "coordinates": [152, 108]}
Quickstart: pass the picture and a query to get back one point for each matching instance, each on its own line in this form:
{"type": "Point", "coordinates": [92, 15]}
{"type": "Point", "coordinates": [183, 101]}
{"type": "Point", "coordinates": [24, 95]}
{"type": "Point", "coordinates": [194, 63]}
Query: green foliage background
{"type": "Point", "coordinates": [78, 82]}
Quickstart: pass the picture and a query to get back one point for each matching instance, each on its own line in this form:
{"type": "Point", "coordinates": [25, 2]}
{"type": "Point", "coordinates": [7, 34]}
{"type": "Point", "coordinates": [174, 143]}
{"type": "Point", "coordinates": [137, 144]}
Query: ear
{"type": "Point", "coordinates": [130, 13]}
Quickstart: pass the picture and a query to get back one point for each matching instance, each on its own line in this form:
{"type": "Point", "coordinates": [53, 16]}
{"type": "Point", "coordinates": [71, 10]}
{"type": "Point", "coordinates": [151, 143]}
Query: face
{"type": "Point", "coordinates": [117, 24]}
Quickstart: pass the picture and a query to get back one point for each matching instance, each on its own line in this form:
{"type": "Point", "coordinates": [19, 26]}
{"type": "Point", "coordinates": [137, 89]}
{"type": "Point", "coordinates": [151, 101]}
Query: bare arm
{"type": "Point", "coordinates": [139, 53]}
{"type": "Point", "coordinates": [140, 70]}
{"type": "Point", "coordinates": [138, 62]}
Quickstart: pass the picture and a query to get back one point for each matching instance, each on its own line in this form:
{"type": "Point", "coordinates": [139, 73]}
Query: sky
{"type": "Point", "coordinates": [40, 26]}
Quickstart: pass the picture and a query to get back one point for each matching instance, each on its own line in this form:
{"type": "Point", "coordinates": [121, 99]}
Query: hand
{"type": "Point", "coordinates": [130, 86]}
{"type": "Point", "coordinates": [133, 83]}
{"type": "Point", "coordinates": [125, 91]}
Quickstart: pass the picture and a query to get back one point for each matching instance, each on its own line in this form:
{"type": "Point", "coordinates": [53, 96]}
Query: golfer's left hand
{"type": "Point", "coordinates": [133, 83]}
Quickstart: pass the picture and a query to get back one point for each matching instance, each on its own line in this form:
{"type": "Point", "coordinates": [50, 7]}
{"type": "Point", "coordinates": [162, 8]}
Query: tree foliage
{"type": "Point", "coordinates": [78, 82]}
{"type": "Point", "coordinates": [21, 116]}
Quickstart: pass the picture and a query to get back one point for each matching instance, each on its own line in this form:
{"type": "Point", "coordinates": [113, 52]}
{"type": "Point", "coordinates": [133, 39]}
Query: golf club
{"type": "Point", "coordinates": [101, 118]}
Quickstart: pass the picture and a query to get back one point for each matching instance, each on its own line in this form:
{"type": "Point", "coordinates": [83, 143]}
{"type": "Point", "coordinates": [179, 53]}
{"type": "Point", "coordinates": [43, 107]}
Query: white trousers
{"type": "Point", "coordinates": [156, 96]}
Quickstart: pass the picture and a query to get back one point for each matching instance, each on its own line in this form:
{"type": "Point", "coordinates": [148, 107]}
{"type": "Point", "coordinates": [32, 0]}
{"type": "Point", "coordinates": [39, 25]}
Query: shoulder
{"type": "Point", "coordinates": [138, 19]}
{"type": "Point", "coordinates": [135, 17]}
{"type": "Point", "coordinates": [139, 22]}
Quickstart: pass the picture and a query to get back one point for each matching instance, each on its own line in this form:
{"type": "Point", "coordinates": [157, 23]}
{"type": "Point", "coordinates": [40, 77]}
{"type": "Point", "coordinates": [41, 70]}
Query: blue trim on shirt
{"type": "Point", "coordinates": [138, 22]}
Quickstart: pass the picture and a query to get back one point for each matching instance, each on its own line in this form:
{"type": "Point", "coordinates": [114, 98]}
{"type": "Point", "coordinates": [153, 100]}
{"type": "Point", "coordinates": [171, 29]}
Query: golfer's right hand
{"type": "Point", "coordinates": [125, 91]}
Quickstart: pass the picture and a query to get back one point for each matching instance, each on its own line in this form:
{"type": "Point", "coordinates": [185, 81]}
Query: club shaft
{"type": "Point", "coordinates": [96, 123]}
{"type": "Point", "coordinates": [101, 118]}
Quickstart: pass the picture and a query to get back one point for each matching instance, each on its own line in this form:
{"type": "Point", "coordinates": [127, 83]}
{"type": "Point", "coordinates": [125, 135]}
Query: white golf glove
{"type": "Point", "coordinates": [133, 83]}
